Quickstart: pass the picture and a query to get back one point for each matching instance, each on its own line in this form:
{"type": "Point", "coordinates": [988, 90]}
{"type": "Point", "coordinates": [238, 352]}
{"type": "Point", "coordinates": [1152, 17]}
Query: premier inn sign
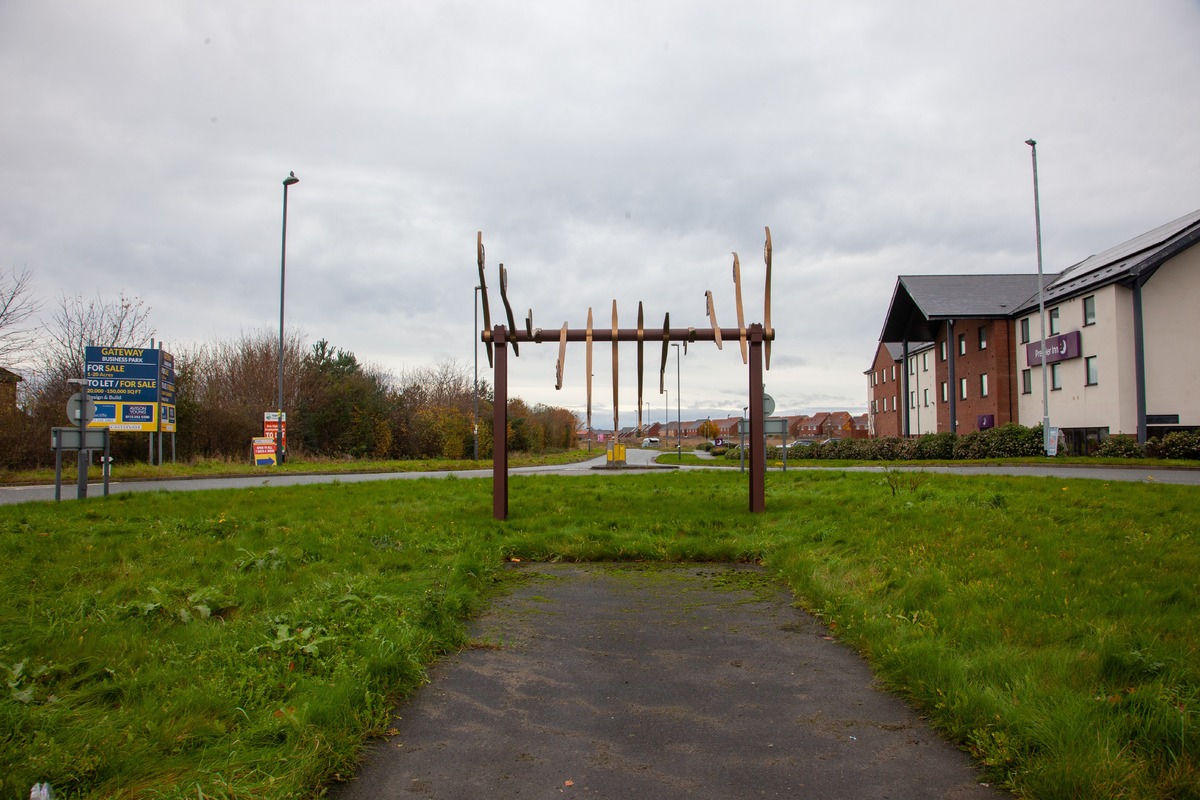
{"type": "Point", "coordinates": [1058, 348]}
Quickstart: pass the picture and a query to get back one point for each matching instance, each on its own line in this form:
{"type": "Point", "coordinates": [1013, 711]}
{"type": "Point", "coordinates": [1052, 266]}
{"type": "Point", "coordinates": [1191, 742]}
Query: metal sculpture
{"type": "Point", "coordinates": [754, 342]}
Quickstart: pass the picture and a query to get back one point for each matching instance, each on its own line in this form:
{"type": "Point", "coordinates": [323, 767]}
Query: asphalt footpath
{"type": "Point", "coordinates": [696, 681]}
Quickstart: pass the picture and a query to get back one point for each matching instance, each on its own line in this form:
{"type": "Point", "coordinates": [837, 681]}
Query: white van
{"type": "Point", "coordinates": [650, 441]}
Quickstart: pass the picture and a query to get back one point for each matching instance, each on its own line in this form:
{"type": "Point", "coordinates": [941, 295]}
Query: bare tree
{"type": "Point", "coordinates": [17, 307]}
{"type": "Point", "coordinates": [78, 323]}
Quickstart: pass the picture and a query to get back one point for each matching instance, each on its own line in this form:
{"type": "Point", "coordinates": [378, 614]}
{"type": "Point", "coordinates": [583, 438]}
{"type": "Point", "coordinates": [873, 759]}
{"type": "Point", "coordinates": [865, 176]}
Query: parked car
{"type": "Point", "coordinates": [650, 441]}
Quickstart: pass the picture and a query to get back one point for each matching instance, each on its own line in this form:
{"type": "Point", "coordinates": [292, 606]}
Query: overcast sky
{"type": "Point", "coordinates": [606, 150]}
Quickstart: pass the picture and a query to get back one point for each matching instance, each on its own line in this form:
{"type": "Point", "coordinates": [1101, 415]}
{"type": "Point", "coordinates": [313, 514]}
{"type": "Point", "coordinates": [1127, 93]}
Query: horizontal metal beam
{"type": "Point", "coordinates": [623, 335]}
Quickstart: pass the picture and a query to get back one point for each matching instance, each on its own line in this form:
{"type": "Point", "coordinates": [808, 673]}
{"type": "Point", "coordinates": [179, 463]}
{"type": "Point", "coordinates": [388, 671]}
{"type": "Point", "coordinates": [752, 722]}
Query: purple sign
{"type": "Point", "coordinates": [1058, 348]}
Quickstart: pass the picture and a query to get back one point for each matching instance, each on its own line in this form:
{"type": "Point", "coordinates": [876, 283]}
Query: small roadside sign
{"type": "Point", "coordinates": [75, 407]}
{"type": "Point", "coordinates": [263, 448]}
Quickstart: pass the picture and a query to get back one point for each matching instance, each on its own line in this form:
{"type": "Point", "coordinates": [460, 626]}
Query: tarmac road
{"type": "Point", "coordinates": [688, 681]}
{"type": "Point", "coordinates": [634, 456]}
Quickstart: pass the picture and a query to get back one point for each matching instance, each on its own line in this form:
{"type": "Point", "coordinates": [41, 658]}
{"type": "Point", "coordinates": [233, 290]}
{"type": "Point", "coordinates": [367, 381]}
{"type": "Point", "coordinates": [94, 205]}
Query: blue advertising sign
{"type": "Point", "coordinates": [134, 385]}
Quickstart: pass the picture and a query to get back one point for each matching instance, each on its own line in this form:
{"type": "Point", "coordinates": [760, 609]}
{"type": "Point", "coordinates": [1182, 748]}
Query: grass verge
{"type": "Point", "coordinates": [220, 468]}
{"type": "Point", "coordinates": [244, 643]}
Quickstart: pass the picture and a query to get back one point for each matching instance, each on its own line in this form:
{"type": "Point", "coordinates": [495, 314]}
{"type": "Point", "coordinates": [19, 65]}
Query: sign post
{"type": "Point", "coordinates": [275, 428]}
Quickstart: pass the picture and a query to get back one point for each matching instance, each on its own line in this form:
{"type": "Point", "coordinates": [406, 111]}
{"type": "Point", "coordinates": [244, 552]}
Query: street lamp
{"type": "Point", "coordinates": [1037, 216]}
{"type": "Point", "coordinates": [742, 436]}
{"type": "Point", "coordinates": [678, 408]}
{"type": "Point", "coordinates": [290, 180]}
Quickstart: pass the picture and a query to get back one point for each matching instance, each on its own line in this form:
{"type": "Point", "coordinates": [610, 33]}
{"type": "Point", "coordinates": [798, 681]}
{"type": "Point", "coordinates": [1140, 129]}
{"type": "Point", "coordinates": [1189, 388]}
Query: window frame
{"type": "Point", "coordinates": [983, 337]}
{"type": "Point", "coordinates": [1091, 371]}
{"type": "Point", "coordinates": [1027, 381]}
{"type": "Point", "coordinates": [1056, 377]}
{"type": "Point", "coordinates": [1089, 305]}
{"type": "Point", "coordinates": [1023, 330]}
{"type": "Point", "coordinates": [1055, 321]}
{"type": "Point", "coordinates": [983, 384]}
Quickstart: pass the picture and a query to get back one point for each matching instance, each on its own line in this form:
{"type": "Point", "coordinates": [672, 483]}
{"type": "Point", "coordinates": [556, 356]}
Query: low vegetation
{"type": "Point", "coordinates": [1010, 441]}
{"type": "Point", "coordinates": [244, 643]}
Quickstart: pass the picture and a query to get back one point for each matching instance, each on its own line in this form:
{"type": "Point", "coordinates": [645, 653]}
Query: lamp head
{"type": "Point", "coordinates": [1031, 142]}
{"type": "Point", "coordinates": [291, 179]}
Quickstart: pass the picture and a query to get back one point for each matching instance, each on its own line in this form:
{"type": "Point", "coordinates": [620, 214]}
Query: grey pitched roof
{"type": "Point", "coordinates": [921, 302]}
{"type": "Point", "coordinates": [1134, 260]}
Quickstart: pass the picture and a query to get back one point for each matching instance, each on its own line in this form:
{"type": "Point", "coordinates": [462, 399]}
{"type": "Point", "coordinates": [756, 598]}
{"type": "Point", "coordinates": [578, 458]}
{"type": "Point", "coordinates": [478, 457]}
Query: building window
{"type": "Point", "coordinates": [925, 397]}
{"type": "Point", "coordinates": [912, 399]}
{"type": "Point", "coordinates": [893, 372]}
{"type": "Point", "coordinates": [1089, 310]}
{"type": "Point", "coordinates": [874, 407]}
{"type": "Point", "coordinates": [983, 387]}
{"type": "Point", "coordinates": [1053, 321]}
{"type": "Point", "coordinates": [983, 338]}
{"type": "Point", "coordinates": [1055, 377]}
{"type": "Point", "coordinates": [945, 393]}
{"type": "Point", "coordinates": [912, 366]}
{"type": "Point", "coordinates": [962, 344]}
{"type": "Point", "coordinates": [925, 362]}
{"type": "Point", "coordinates": [1024, 326]}
{"type": "Point", "coordinates": [943, 344]}
{"type": "Point", "coordinates": [1092, 370]}
{"type": "Point", "coordinates": [962, 388]}
{"type": "Point", "coordinates": [1026, 381]}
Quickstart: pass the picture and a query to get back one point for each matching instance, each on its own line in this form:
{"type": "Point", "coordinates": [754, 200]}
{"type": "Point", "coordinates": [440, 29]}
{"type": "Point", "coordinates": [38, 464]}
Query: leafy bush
{"type": "Point", "coordinates": [1120, 446]}
{"type": "Point", "coordinates": [1178, 444]}
{"type": "Point", "coordinates": [935, 446]}
{"type": "Point", "coordinates": [1007, 441]}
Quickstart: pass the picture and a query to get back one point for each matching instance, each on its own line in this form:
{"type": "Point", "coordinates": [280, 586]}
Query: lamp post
{"type": "Point", "coordinates": [742, 436]}
{"type": "Point", "coordinates": [678, 409]}
{"type": "Point", "coordinates": [1037, 217]}
{"type": "Point", "coordinates": [290, 180]}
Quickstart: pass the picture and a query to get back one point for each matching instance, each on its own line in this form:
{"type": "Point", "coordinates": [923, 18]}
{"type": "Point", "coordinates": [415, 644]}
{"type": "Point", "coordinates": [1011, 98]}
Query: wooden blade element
{"type": "Point", "coordinates": [662, 367]}
{"type": "Point", "coordinates": [641, 362]}
{"type": "Point", "coordinates": [588, 350]}
{"type": "Point", "coordinates": [767, 329]}
{"type": "Point", "coordinates": [512, 324]}
{"type": "Point", "coordinates": [562, 357]}
{"type": "Point", "coordinates": [487, 316]}
{"type": "Point", "coordinates": [712, 318]}
{"type": "Point", "coordinates": [737, 290]}
{"type": "Point", "coordinates": [529, 325]}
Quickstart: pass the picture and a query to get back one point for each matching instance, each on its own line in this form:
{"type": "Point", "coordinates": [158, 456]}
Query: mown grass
{"type": "Point", "coordinates": [243, 644]}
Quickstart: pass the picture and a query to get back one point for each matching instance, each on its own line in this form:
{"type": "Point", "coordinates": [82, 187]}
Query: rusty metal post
{"type": "Point", "coordinates": [500, 427]}
{"type": "Point", "coordinates": [758, 447]}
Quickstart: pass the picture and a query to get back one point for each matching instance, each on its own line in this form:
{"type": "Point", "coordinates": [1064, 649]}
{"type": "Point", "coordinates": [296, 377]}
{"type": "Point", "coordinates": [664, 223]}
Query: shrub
{"type": "Point", "coordinates": [935, 446]}
{"type": "Point", "coordinates": [1004, 442]}
{"type": "Point", "coordinates": [1177, 444]}
{"type": "Point", "coordinates": [1120, 446]}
